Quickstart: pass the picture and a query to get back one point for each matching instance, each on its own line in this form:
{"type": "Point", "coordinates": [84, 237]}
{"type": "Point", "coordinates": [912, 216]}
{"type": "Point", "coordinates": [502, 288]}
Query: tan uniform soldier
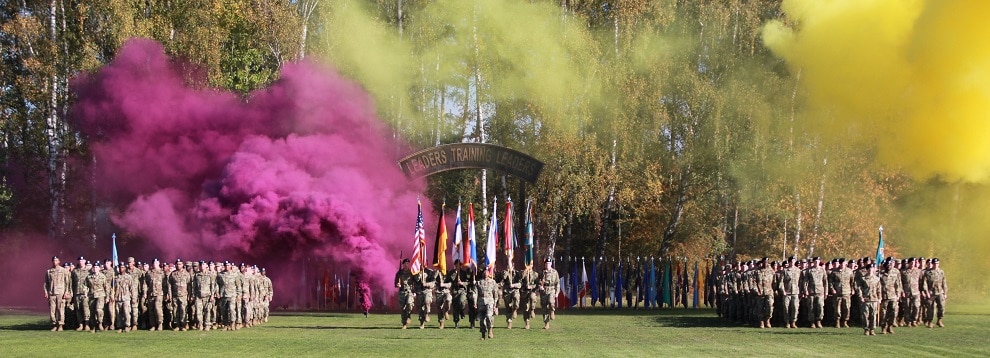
{"type": "Point", "coordinates": [934, 287]}
{"type": "Point", "coordinates": [869, 291]}
{"type": "Point", "coordinates": [549, 285]}
{"type": "Point", "coordinates": [841, 287]}
{"type": "Point", "coordinates": [57, 291]}
{"type": "Point", "coordinates": [178, 283]}
{"type": "Point", "coordinates": [155, 288]}
{"type": "Point", "coordinates": [486, 303]}
{"type": "Point", "coordinates": [890, 282]}
{"type": "Point", "coordinates": [99, 289]}
{"type": "Point", "coordinates": [529, 290]}
{"type": "Point", "coordinates": [123, 294]}
{"type": "Point", "coordinates": [79, 294]}
{"type": "Point", "coordinates": [404, 282]}
{"type": "Point", "coordinates": [816, 285]}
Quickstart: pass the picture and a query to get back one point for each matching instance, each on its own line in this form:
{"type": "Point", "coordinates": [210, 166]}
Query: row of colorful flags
{"type": "Point", "coordinates": [464, 249]}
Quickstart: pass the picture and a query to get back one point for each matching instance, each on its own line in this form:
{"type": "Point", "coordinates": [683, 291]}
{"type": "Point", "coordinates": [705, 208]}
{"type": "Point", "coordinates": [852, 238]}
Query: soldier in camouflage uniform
{"type": "Point", "coordinates": [57, 290]}
{"type": "Point", "coordinates": [443, 295]}
{"type": "Point", "coordinates": [98, 289]}
{"type": "Point", "coordinates": [841, 284]}
{"type": "Point", "coordinates": [890, 282]}
{"type": "Point", "coordinates": [764, 293]}
{"type": "Point", "coordinates": [404, 282]}
{"type": "Point", "coordinates": [815, 287]}
{"type": "Point", "coordinates": [80, 294]}
{"type": "Point", "coordinates": [529, 284]}
{"type": "Point", "coordinates": [461, 278]}
{"type": "Point", "coordinates": [790, 289]}
{"type": "Point", "coordinates": [934, 288]}
{"type": "Point", "coordinates": [123, 294]}
{"type": "Point", "coordinates": [204, 290]}
{"type": "Point", "coordinates": [179, 282]}
{"type": "Point", "coordinates": [487, 288]}
{"type": "Point", "coordinates": [910, 281]}
{"type": "Point", "coordinates": [110, 312]}
{"type": "Point", "coordinates": [423, 284]}
{"type": "Point", "coordinates": [248, 290]}
{"type": "Point", "coordinates": [266, 294]}
{"type": "Point", "coordinates": [870, 293]}
{"type": "Point", "coordinates": [227, 284]}
{"type": "Point", "coordinates": [138, 307]}
{"type": "Point", "coordinates": [509, 281]}
{"type": "Point", "coordinates": [155, 287]}
{"type": "Point", "coordinates": [549, 284]}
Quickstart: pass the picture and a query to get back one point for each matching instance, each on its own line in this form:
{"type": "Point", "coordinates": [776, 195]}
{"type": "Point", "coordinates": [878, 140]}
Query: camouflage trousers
{"type": "Point", "coordinates": [155, 314]}
{"type": "Point", "coordinates": [246, 311]}
{"type": "Point", "coordinates": [549, 298]}
{"type": "Point", "coordinates": [792, 305]}
{"type": "Point", "coordinates": [96, 305]}
{"type": "Point", "coordinates": [443, 299]}
{"type": "Point", "coordinates": [82, 309]}
{"type": "Point", "coordinates": [56, 309]}
{"type": "Point", "coordinates": [765, 304]}
{"type": "Point", "coordinates": [459, 304]}
{"type": "Point", "coordinates": [528, 303]}
{"type": "Point", "coordinates": [486, 314]}
{"type": "Point", "coordinates": [841, 307]}
{"type": "Point", "coordinates": [179, 313]}
{"type": "Point", "coordinates": [511, 299]}
{"type": "Point", "coordinates": [423, 301]}
{"type": "Point", "coordinates": [406, 300]}
{"type": "Point", "coordinates": [936, 307]}
{"type": "Point", "coordinates": [888, 312]}
{"type": "Point", "coordinates": [134, 312]}
{"type": "Point", "coordinates": [869, 315]}
{"type": "Point", "coordinates": [913, 308]}
{"type": "Point", "coordinates": [203, 306]}
{"type": "Point", "coordinates": [817, 311]}
{"type": "Point", "coordinates": [227, 310]}
{"type": "Point", "coordinates": [123, 308]}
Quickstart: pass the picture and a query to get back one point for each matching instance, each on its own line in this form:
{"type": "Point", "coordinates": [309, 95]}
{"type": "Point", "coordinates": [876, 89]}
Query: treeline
{"type": "Point", "coordinates": [667, 127]}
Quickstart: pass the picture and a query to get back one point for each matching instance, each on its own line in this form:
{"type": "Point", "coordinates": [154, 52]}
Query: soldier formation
{"type": "Point", "coordinates": [880, 295]}
{"type": "Point", "coordinates": [98, 296]}
{"type": "Point", "coordinates": [468, 291]}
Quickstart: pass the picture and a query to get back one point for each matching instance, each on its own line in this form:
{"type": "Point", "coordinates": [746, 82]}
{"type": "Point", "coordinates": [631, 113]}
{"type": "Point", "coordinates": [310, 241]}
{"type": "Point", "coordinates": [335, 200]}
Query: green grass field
{"type": "Point", "coordinates": [677, 332]}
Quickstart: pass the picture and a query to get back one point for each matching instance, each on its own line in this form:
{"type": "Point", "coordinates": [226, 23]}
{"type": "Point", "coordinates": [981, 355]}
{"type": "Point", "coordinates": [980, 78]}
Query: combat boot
{"type": "Point", "coordinates": [508, 324]}
{"type": "Point", "coordinates": [159, 327]}
{"type": "Point", "coordinates": [768, 324]}
{"type": "Point", "coordinates": [527, 324]}
{"type": "Point", "coordinates": [872, 333]}
{"type": "Point", "coordinates": [939, 323]}
{"type": "Point", "coordinates": [59, 328]}
{"type": "Point", "coordinates": [890, 329]}
{"type": "Point", "coordinates": [54, 328]}
{"type": "Point", "coordinates": [866, 332]}
{"type": "Point", "coordinates": [762, 325]}
{"type": "Point", "coordinates": [80, 328]}
{"type": "Point", "coordinates": [441, 324]}
{"type": "Point", "coordinates": [491, 334]}
{"type": "Point", "coordinates": [845, 324]}
{"type": "Point", "coordinates": [422, 325]}
{"type": "Point", "coordinates": [546, 325]}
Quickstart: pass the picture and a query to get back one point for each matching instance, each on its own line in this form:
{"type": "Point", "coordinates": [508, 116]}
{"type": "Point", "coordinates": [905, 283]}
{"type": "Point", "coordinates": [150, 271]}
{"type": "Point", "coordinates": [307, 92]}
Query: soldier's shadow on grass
{"type": "Point", "coordinates": [34, 326]}
{"type": "Point", "coordinates": [334, 327]}
{"type": "Point", "coordinates": [692, 321]}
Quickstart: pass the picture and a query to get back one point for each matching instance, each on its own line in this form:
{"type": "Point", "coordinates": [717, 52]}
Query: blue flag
{"type": "Point", "coordinates": [113, 253]}
{"type": "Point", "coordinates": [618, 285]}
{"type": "Point", "coordinates": [880, 247]}
{"type": "Point", "coordinates": [593, 282]}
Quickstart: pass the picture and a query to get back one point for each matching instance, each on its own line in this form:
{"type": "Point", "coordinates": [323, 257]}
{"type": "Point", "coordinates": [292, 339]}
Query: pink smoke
{"type": "Point", "coordinates": [364, 296]}
{"type": "Point", "coordinates": [302, 168]}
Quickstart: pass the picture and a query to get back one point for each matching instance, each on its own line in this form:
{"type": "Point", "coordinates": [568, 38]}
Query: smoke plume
{"type": "Point", "coordinates": [299, 169]}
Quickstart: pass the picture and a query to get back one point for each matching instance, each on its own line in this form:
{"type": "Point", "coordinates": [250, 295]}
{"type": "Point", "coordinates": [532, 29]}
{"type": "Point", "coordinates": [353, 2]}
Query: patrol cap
{"type": "Point", "coordinates": [549, 259]}
{"type": "Point", "coordinates": [262, 269]}
{"type": "Point", "coordinates": [55, 257]}
{"type": "Point", "coordinates": [405, 260]}
{"type": "Point", "coordinates": [935, 260]}
{"type": "Point", "coordinates": [81, 258]}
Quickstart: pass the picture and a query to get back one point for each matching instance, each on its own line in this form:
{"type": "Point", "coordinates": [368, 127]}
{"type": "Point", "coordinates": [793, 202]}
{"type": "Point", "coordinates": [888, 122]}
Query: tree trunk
{"type": "Point", "coordinates": [55, 179]}
{"type": "Point", "coordinates": [675, 215]}
{"type": "Point", "coordinates": [818, 211]}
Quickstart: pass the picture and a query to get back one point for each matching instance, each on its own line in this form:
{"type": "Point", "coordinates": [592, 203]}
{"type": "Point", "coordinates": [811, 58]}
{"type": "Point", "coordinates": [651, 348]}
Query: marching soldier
{"type": "Point", "coordinates": [443, 296]}
{"type": "Point", "coordinates": [266, 294]}
{"type": "Point", "coordinates": [179, 282]}
{"type": "Point", "coordinates": [549, 284]}
{"type": "Point", "coordinates": [155, 288]}
{"type": "Point", "coordinates": [790, 289]}
{"type": "Point", "coordinates": [204, 290]}
{"type": "Point", "coordinates": [890, 282]}
{"type": "Point", "coordinates": [509, 279]}
{"type": "Point", "coordinates": [764, 292]}
{"type": "Point", "coordinates": [57, 290]}
{"type": "Point", "coordinates": [910, 281]}
{"type": "Point", "coordinates": [529, 284]}
{"type": "Point", "coordinates": [98, 289]}
{"type": "Point", "coordinates": [869, 295]}
{"type": "Point", "coordinates": [423, 283]}
{"type": "Point", "coordinates": [123, 294]}
{"type": "Point", "coordinates": [933, 286]}
{"type": "Point", "coordinates": [404, 282]}
{"type": "Point", "coordinates": [80, 294]}
{"type": "Point", "coordinates": [815, 287]}
{"type": "Point", "coordinates": [486, 303]}
{"type": "Point", "coordinates": [841, 287]}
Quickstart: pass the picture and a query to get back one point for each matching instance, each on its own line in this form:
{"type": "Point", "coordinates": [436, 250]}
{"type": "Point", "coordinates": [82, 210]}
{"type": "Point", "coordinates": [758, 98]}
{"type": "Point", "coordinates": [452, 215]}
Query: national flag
{"type": "Point", "coordinates": [528, 256]}
{"type": "Point", "coordinates": [440, 247]}
{"type": "Point", "coordinates": [880, 254]}
{"type": "Point", "coordinates": [694, 303]}
{"type": "Point", "coordinates": [585, 286]}
{"type": "Point", "coordinates": [457, 252]}
{"type": "Point", "coordinates": [653, 283]}
{"type": "Point", "coordinates": [593, 282]}
{"type": "Point", "coordinates": [471, 249]}
{"type": "Point", "coordinates": [562, 300]}
{"type": "Point", "coordinates": [509, 234]}
{"type": "Point", "coordinates": [666, 294]}
{"type": "Point", "coordinates": [419, 238]}
{"type": "Point", "coordinates": [492, 240]}
{"type": "Point", "coordinates": [574, 283]}
{"type": "Point", "coordinates": [113, 252]}
{"type": "Point", "coordinates": [618, 284]}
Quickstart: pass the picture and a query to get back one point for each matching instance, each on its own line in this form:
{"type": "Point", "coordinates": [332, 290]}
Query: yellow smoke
{"type": "Point", "coordinates": [913, 77]}
{"type": "Point", "coordinates": [910, 82]}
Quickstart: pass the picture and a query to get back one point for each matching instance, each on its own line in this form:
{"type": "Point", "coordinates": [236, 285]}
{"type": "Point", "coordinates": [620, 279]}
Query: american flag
{"type": "Point", "coordinates": [419, 247]}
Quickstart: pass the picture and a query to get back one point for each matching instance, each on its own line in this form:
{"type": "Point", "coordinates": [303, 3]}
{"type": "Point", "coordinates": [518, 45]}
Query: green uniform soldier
{"type": "Point", "coordinates": [549, 284]}
{"type": "Point", "coordinates": [80, 294]}
{"type": "Point", "coordinates": [529, 290]}
{"type": "Point", "coordinates": [443, 296]}
{"type": "Point", "coordinates": [790, 290]}
{"type": "Point", "coordinates": [890, 282]}
{"type": "Point", "coordinates": [934, 287]}
{"type": "Point", "coordinates": [841, 287]}
{"type": "Point", "coordinates": [204, 290]}
{"type": "Point", "coordinates": [870, 293]}
{"type": "Point", "coordinates": [462, 283]}
{"type": "Point", "coordinates": [155, 288]}
{"type": "Point", "coordinates": [123, 294]}
{"type": "Point", "coordinates": [509, 280]}
{"type": "Point", "coordinates": [910, 281]}
{"type": "Point", "coordinates": [179, 282]}
{"type": "Point", "coordinates": [816, 285]}
{"type": "Point", "coordinates": [486, 303]}
{"type": "Point", "coordinates": [404, 282]}
{"type": "Point", "coordinates": [58, 285]}
{"type": "Point", "coordinates": [423, 284]}
{"type": "Point", "coordinates": [99, 289]}
{"type": "Point", "coordinates": [764, 293]}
